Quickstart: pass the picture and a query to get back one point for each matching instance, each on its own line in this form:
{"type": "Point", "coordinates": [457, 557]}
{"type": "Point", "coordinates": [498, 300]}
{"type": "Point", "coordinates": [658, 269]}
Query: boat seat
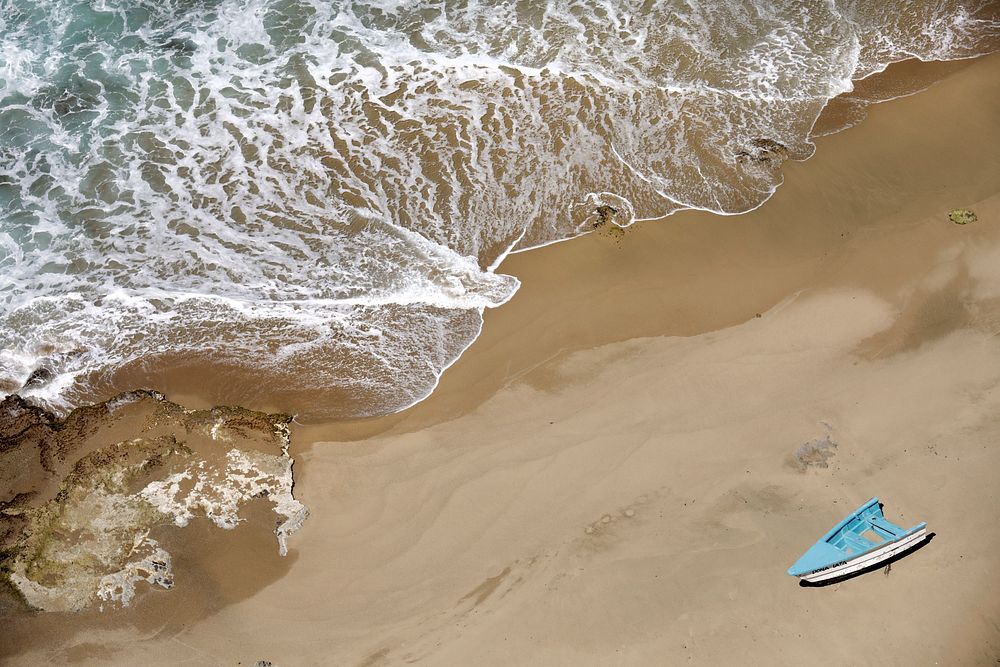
{"type": "Point", "coordinates": [890, 529]}
{"type": "Point", "coordinates": [857, 542]}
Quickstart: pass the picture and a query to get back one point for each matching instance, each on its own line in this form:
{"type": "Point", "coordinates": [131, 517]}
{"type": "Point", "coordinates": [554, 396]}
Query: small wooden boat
{"type": "Point", "coordinates": [865, 538]}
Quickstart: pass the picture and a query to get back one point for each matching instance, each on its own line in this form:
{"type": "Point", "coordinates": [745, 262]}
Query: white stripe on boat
{"type": "Point", "coordinates": [868, 558]}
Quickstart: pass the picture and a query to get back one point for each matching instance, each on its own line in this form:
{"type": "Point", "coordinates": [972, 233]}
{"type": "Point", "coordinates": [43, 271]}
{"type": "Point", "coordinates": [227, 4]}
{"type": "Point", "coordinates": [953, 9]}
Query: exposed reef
{"type": "Point", "coordinates": [80, 498]}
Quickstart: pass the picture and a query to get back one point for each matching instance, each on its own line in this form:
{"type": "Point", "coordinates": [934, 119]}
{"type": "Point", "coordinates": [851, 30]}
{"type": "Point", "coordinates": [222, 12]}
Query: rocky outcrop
{"type": "Point", "coordinates": [39, 377]}
{"type": "Point", "coordinates": [80, 498]}
{"type": "Point", "coordinates": [605, 215]}
{"type": "Point", "coordinates": [763, 151]}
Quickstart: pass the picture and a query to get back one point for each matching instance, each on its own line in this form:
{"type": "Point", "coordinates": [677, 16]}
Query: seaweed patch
{"type": "Point", "coordinates": [962, 216]}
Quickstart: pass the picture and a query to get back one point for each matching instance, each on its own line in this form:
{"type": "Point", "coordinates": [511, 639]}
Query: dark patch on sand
{"type": "Point", "coordinates": [813, 454]}
{"type": "Point", "coordinates": [480, 593]}
{"type": "Point", "coordinates": [926, 316]}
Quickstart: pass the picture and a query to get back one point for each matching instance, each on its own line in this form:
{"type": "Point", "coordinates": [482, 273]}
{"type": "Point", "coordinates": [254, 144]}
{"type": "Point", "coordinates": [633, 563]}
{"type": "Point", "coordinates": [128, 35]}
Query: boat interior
{"type": "Point", "coordinates": [868, 528]}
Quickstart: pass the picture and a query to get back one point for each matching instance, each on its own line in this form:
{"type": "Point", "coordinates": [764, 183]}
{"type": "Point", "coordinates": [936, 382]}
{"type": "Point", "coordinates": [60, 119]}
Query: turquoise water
{"type": "Point", "coordinates": [321, 192]}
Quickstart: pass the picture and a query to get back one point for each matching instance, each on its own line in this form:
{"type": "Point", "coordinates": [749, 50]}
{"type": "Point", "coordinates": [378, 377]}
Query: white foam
{"type": "Point", "coordinates": [325, 191]}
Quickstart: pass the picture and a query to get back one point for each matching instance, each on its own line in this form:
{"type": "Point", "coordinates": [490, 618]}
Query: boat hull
{"type": "Point", "coordinates": [867, 559]}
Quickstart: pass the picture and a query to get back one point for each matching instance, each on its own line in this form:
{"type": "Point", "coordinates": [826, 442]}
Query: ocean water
{"type": "Point", "coordinates": [321, 192]}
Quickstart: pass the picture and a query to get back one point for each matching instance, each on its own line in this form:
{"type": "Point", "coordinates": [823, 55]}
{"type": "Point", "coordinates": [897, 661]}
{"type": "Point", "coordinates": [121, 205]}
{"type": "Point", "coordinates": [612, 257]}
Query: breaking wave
{"type": "Point", "coordinates": [322, 191]}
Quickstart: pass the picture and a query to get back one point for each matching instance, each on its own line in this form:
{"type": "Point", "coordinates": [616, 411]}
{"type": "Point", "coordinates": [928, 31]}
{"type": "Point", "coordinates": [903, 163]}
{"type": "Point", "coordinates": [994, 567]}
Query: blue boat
{"type": "Point", "coordinates": [863, 539]}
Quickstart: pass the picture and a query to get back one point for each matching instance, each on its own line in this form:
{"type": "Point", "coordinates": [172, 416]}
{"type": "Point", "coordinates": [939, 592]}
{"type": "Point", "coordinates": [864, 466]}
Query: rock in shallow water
{"type": "Point", "coordinates": [79, 498]}
{"type": "Point", "coordinates": [763, 151]}
{"type": "Point", "coordinates": [39, 377]}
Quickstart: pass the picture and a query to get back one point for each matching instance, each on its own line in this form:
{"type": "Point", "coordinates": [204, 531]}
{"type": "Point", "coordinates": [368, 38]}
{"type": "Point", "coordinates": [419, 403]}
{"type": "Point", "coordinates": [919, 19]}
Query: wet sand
{"type": "Point", "coordinates": [612, 473]}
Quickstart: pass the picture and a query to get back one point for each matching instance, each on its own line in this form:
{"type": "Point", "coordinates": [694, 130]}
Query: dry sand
{"type": "Point", "coordinates": [609, 476]}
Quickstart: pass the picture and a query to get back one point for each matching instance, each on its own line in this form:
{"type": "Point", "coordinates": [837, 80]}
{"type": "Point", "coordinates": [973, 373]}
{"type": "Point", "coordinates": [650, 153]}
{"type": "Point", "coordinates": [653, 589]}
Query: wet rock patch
{"type": "Point", "coordinates": [79, 498]}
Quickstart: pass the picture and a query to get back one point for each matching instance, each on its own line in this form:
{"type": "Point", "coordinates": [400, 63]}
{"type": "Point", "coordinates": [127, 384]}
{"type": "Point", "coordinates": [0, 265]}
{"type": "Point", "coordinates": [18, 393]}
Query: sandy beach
{"type": "Point", "coordinates": [625, 463]}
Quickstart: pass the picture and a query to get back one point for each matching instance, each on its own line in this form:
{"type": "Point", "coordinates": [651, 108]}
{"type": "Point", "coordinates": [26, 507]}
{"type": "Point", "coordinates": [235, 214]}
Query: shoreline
{"type": "Point", "coordinates": [203, 383]}
{"type": "Point", "coordinates": [547, 275]}
{"type": "Point", "coordinates": [610, 474]}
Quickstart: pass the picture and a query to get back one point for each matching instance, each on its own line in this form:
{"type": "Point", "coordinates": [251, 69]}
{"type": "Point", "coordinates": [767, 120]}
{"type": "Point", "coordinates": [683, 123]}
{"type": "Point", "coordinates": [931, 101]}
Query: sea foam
{"type": "Point", "coordinates": [322, 193]}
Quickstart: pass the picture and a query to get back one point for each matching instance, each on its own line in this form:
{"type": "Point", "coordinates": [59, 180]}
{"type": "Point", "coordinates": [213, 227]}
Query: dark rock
{"type": "Point", "coordinates": [764, 151]}
{"type": "Point", "coordinates": [770, 145]}
{"type": "Point", "coordinates": [605, 214]}
{"type": "Point", "coordinates": [606, 225]}
{"type": "Point", "coordinates": [39, 377]}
